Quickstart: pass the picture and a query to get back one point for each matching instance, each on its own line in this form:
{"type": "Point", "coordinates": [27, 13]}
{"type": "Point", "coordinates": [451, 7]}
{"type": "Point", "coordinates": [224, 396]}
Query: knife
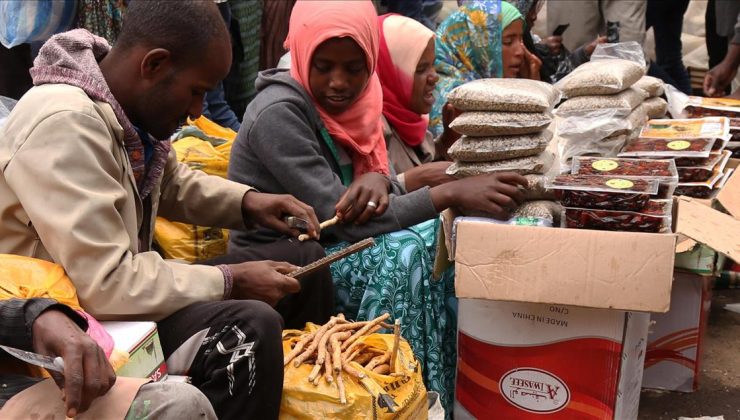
{"type": "Point", "coordinates": [46, 362]}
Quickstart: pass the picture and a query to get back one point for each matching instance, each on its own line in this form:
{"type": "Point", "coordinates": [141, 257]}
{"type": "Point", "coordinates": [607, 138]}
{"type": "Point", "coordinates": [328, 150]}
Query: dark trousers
{"type": "Point", "coordinates": [235, 349]}
{"type": "Point", "coordinates": [666, 18]}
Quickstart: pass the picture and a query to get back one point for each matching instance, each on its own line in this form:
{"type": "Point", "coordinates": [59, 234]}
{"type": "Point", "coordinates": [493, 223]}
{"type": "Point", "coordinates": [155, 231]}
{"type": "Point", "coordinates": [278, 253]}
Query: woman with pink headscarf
{"type": "Point", "coordinates": [315, 132]}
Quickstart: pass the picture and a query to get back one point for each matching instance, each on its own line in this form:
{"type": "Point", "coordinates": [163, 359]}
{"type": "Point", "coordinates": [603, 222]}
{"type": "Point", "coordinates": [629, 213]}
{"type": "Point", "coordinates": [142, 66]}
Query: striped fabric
{"type": "Point", "coordinates": [34, 20]}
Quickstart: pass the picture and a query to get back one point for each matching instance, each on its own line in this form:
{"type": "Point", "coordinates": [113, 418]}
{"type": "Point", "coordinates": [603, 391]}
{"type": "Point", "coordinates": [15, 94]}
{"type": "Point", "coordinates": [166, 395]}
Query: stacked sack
{"type": "Point", "coordinates": [604, 108]}
{"type": "Point", "coordinates": [655, 106]}
{"type": "Point", "coordinates": [504, 129]}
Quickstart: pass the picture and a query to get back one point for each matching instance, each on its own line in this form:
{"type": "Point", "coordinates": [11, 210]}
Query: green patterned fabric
{"type": "Point", "coordinates": [395, 276]}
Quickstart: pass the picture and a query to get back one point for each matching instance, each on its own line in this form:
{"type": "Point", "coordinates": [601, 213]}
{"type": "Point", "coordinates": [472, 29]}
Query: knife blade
{"type": "Point", "coordinates": [46, 362]}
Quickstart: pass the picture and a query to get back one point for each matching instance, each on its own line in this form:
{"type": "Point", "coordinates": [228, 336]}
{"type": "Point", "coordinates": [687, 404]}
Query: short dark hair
{"type": "Point", "coordinates": [183, 27]}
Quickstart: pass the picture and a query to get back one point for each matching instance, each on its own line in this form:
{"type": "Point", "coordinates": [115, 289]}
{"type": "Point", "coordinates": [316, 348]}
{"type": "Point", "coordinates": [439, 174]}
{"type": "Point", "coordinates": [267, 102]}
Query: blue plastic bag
{"type": "Point", "coordinates": [25, 21]}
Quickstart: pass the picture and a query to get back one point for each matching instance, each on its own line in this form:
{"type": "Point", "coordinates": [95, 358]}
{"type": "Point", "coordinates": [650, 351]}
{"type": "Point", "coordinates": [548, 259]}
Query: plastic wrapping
{"type": "Point", "coordinates": [569, 147]}
{"type": "Point", "coordinates": [686, 129]}
{"type": "Point", "coordinates": [30, 21]}
{"type": "Point", "coordinates": [662, 170]}
{"type": "Point", "coordinates": [603, 77]}
{"type": "Point", "coordinates": [524, 166]}
{"type": "Point", "coordinates": [6, 105]}
{"type": "Point", "coordinates": [488, 149]}
{"type": "Point", "coordinates": [603, 192]}
{"type": "Point", "coordinates": [704, 170]}
{"type": "Point", "coordinates": [621, 103]}
{"type": "Point", "coordinates": [512, 95]}
{"type": "Point", "coordinates": [702, 189]}
{"type": "Point", "coordinates": [482, 123]}
{"type": "Point", "coordinates": [667, 148]}
{"type": "Point", "coordinates": [655, 108]}
{"type": "Point", "coordinates": [652, 86]}
{"type": "Point", "coordinates": [630, 50]}
{"type": "Point", "coordinates": [602, 123]}
{"type": "Point", "coordinates": [696, 107]}
{"type": "Point", "coordinates": [615, 220]}
{"type": "Point", "coordinates": [536, 189]}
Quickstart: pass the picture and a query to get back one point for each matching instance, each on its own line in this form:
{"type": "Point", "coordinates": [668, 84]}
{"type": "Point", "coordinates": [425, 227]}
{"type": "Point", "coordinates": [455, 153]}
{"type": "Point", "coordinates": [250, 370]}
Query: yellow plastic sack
{"type": "Point", "coordinates": [304, 400]}
{"type": "Point", "coordinates": [25, 278]}
{"type": "Point", "coordinates": [206, 146]}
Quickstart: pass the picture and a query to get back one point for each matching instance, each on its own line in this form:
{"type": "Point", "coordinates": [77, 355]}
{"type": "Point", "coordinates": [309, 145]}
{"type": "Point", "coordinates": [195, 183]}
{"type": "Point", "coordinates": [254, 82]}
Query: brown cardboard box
{"type": "Point", "coordinates": [589, 268]}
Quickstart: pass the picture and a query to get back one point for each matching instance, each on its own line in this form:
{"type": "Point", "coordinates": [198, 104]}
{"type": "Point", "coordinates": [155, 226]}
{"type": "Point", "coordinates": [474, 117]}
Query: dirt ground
{"type": "Point", "coordinates": [719, 384]}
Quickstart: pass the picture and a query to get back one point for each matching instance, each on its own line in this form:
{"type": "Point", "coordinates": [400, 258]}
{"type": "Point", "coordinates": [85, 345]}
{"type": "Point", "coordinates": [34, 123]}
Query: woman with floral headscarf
{"type": "Point", "coordinates": [482, 39]}
{"type": "Point", "coordinates": [315, 132]}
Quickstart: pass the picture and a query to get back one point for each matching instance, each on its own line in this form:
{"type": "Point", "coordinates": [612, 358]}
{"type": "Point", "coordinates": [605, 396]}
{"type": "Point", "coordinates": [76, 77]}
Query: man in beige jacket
{"type": "Point", "coordinates": [85, 168]}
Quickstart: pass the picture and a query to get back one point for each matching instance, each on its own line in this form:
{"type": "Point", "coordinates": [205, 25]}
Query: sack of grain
{"type": "Point", "coordinates": [482, 123]}
{"type": "Point", "coordinates": [536, 189]}
{"type": "Point", "coordinates": [653, 86]}
{"type": "Point", "coordinates": [488, 149]}
{"type": "Point", "coordinates": [524, 166]}
{"type": "Point", "coordinates": [656, 107]}
{"type": "Point", "coordinates": [602, 77]}
{"type": "Point", "coordinates": [513, 95]}
{"type": "Point", "coordinates": [622, 103]}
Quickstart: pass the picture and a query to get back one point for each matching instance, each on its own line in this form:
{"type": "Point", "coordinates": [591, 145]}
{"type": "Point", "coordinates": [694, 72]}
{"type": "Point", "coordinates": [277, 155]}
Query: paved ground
{"type": "Point", "coordinates": [719, 384]}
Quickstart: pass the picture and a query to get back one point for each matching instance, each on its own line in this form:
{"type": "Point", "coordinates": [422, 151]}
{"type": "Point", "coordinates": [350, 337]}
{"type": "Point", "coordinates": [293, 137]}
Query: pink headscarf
{"type": "Point", "coordinates": [396, 67]}
{"type": "Point", "coordinates": [359, 128]}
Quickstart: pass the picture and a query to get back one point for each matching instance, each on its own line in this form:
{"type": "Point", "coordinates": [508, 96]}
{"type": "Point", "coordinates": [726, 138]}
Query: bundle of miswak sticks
{"type": "Point", "coordinates": [334, 345]}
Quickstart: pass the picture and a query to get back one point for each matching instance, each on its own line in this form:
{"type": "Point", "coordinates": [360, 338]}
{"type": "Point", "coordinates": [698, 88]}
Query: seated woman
{"type": "Point", "coordinates": [477, 42]}
{"type": "Point", "coordinates": [407, 76]}
{"type": "Point", "coordinates": [316, 132]}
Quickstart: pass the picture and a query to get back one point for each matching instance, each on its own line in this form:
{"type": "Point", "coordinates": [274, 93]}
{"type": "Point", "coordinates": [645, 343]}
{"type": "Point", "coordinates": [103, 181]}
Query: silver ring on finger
{"type": "Point", "coordinates": [372, 204]}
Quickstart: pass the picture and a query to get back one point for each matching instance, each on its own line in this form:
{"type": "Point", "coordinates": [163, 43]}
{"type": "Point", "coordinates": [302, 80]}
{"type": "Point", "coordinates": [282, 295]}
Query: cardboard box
{"type": "Point", "coordinates": [700, 259]}
{"type": "Point", "coordinates": [141, 341]}
{"type": "Point", "coordinates": [589, 268]}
{"type": "Point", "coordinates": [524, 360]}
{"type": "Point", "coordinates": [675, 339]}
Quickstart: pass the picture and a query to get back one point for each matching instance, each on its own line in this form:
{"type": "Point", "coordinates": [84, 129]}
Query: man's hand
{"type": "Point", "coordinates": [554, 44]}
{"type": "Point", "coordinates": [366, 197]}
{"type": "Point", "coordinates": [270, 210]}
{"type": "Point", "coordinates": [263, 280]}
{"type": "Point", "coordinates": [589, 49]}
{"type": "Point", "coordinates": [87, 372]}
{"type": "Point", "coordinates": [496, 194]}
{"type": "Point", "coordinates": [531, 66]}
{"type": "Point", "coordinates": [718, 78]}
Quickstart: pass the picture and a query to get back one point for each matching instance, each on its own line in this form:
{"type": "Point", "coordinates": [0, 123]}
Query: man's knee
{"type": "Point", "coordinates": [171, 400]}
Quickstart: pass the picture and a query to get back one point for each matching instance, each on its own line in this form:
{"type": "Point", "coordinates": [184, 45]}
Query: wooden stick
{"type": "Point", "coordinates": [298, 348]}
{"type": "Point", "coordinates": [323, 225]}
{"type": "Point", "coordinates": [365, 329]}
{"type": "Point", "coordinates": [351, 348]}
{"type": "Point", "coordinates": [382, 369]}
{"type": "Point", "coordinates": [340, 385]}
{"type": "Point", "coordinates": [396, 340]}
{"type": "Point", "coordinates": [378, 360]}
{"type": "Point", "coordinates": [315, 343]}
{"type": "Point", "coordinates": [328, 369]}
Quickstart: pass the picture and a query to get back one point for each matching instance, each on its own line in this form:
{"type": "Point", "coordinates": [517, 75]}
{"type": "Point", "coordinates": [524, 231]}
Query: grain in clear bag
{"type": "Point", "coordinates": [512, 95]}
{"type": "Point", "coordinates": [485, 123]}
{"type": "Point", "coordinates": [487, 149]}
{"type": "Point", "coordinates": [656, 107]}
{"type": "Point", "coordinates": [523, 166]}
{"type": "Point", "coordinates": [621, 103]}
{"type": "Point", "coordinates": [602, 77]}
{"type": "Point", "coordinates": [653, 86]}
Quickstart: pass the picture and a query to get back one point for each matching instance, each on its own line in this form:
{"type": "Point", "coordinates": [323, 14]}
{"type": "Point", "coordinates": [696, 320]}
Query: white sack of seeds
{"type": "Point", "coordinates": [653, 86]}
{"type": "Point", "coordinates": [528, 165]}
{"type": "Point", "coordinates": [602, 77]}
{"type": "Point", "coordinates": [622, 103]}
{"type": "Point", "coordinates": [512, 95]}
{"type": "Point", "coordinates": [482, 123]}
{"type": "Point", "coordinates": [487, 149]}
{"type": "Point", "coordinates": [656, 107]}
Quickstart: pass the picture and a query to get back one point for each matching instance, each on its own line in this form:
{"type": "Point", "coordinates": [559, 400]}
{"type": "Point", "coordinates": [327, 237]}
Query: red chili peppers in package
{"type": "Point", "coordinates": [628, 221]}
{"type": "Point", "coordinates": [603, 192]}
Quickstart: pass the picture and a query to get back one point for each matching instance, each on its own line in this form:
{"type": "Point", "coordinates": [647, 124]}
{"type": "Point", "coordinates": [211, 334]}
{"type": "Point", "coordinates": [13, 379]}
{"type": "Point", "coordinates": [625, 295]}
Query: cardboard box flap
{"type": "Point", "coordinates": [729, 196]}
{"type": "Point", "coordinates": [710, 227]}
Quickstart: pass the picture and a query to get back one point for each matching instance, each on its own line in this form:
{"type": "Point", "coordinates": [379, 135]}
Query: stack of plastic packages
{"type": "Point", "coordinates": [698, 147]}
{"type": "Point", "coordinates": [655, 106]}
{"type": "Point", "coordinates": [504, 127]}
{"type": "Point", "coordinates": [604, 106]}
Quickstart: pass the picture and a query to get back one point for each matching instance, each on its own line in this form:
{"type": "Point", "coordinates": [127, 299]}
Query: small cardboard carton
{"type": "Point", "coordinates": [529, 361]}
{"type": "Point", "coordinates": [675, 340]}
{"type": "Point", "coordinates": [141, 341]}
{"type": "Point", "coordinates": [589, 268]}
